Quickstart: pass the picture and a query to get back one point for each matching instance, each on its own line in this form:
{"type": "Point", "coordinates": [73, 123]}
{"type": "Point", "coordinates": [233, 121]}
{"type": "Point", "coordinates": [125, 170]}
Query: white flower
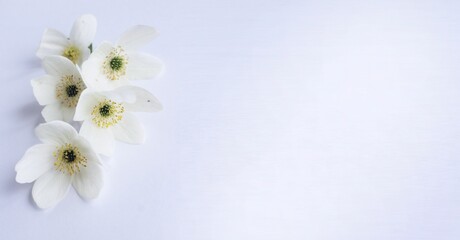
{"type": "Point", "coordinates": [107, 116]}
{"type": "Point", "coordinates": [63, 159]}
{"type": "Point", "coordinates": [111, 66]}
{"type": "Point", "coordinates": [59, 90]}
{"type": "Point", "coordinates": [76, 46]}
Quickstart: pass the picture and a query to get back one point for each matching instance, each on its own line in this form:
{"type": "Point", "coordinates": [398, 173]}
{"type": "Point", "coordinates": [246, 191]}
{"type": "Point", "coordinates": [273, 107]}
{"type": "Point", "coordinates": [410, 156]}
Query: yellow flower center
{"type": "Point", "coordinates": [69, 159]}
{"type": "Point", "coordinates": [72, 53]}
{"type": "Point", "coordinates": [114, 65]}
{"type": "Point", "coordinates": [68, 90]}
{"type": "Point", "coordinates": [107, 113]}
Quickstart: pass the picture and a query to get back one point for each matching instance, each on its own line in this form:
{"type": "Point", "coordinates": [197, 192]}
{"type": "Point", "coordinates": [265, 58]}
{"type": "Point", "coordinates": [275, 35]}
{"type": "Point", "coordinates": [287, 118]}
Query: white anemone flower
{"type": "Point", "coordinates": [75, 47]}
{"type": "Point", "coordinates": [107, 115]}
{"type": "Point", "coordinates": [59, 90]}
{"type": "Point", "coordinates": [63, 158]}
{"type": "Point", "coordinates": [114, 65]}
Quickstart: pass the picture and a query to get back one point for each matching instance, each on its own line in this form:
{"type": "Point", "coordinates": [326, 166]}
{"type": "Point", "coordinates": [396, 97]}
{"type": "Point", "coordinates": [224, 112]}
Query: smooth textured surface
{"type": "Point", "coordinates": [286, 120]}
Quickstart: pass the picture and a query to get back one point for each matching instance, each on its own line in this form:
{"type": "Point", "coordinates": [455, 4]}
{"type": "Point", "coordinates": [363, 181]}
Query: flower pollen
{"type": "Point", "coordinates": [72, 53]}
{"type": "Point", "coordinates": [107, 113]}
{"type": "Point", "coordinates": [114, 65]}
{"type": "Point", "coordinates": [68, 90]}
{"type": "Point", "coordinates": [69, 159]}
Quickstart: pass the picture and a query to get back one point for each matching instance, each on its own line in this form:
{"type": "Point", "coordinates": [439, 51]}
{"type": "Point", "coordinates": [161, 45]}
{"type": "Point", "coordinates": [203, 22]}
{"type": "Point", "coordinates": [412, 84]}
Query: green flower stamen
{"type": "Point", "coordinates": [107, 113]}
{"type": "Point", "coordinates": [105, 110]}
{"type": "Point", "coordinates": [114, 65]}
{"type": "Point", "coordinates": [69, 89]}
{"type": "Point", "coordinates": [72, 90]}
{"type": "Point", "coordinates": [69, 155]}
{"type": "Point", "coordinates": [69, 159]}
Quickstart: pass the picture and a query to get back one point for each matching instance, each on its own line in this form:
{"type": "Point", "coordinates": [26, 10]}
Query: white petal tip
{"type": "Point", "coordinates": [20, 180]}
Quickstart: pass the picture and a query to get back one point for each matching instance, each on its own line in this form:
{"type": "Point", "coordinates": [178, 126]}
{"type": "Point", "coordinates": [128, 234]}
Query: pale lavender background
{"type": "Point", "coordinates": [286, 120]}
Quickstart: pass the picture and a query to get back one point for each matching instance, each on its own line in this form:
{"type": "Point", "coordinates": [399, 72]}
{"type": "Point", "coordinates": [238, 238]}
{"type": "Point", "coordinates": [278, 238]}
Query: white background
{"type": "Point", "coordinates": [286, 120]}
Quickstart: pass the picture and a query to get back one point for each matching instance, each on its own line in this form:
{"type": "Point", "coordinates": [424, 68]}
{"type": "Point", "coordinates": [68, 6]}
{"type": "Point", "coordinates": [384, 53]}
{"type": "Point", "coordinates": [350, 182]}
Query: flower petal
{"type": "Point", "coordinates": [90, 71]}
{"type": "Point", "coordinates": [143, 66]}
{"type": "Point", "coordinates": [50, 188]}
{"type": "Point", "coordinates": [88, 99]}
{"type": "Point", "coordinates": [52, 112]}
{"type": "Point", "coordinates": [102, 50]}
{"type": "Point", "coordinates": [67, 113]}
{"type": "Point", "coordinates": [84, 30]}
{"type": "Point", "coordinates": [87, 149]}
{"type": "Point", "coordinates": [44, 89]}
{"type": "Point", "coordinates": [36, 161]}
{"type": "Point", "coordinates": [53, 43]}
{"type": "Point", "coordinates": [55, 132]}
{"type": "Point", "coordinates": [59, 66]}
{"type": "Point", "coordinates": [129, 130]}
{"type": "Point", "coordinates": [136, 37]}
{"type": "Point", "coordinates": [100, 138]}
{"type": "Point", "coordinates": [89, 181]}
{"type": "Point", "coordinates": [137, 99]}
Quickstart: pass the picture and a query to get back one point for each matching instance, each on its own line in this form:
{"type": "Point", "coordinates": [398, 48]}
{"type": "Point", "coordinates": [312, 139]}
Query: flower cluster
{"type": "Point", "coordinates": [93, 88]}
